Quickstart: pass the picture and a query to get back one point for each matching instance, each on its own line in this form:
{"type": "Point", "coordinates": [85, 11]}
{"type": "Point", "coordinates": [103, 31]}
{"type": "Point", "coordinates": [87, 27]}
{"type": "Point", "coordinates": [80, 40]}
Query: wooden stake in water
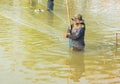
{"type": "Point", "coordinates": [116, 41]}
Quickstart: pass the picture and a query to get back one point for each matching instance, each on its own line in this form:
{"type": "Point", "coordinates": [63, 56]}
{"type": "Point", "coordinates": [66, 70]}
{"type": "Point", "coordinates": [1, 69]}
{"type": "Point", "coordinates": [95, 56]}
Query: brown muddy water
{"type": "Point", "coordinates": [32, 50]}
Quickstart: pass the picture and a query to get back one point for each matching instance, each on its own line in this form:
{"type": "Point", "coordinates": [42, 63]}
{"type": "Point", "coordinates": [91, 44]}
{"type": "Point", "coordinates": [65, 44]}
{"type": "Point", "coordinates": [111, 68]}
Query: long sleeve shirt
{"type": "Point", "coordinates": [77, 36]}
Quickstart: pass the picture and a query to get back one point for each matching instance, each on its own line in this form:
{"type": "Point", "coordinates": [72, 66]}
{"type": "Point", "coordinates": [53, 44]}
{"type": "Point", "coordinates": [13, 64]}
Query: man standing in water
{"type": "Point", "coordinates": [76, 33]}
{"type": "Point", "coordinates": [50, 5]}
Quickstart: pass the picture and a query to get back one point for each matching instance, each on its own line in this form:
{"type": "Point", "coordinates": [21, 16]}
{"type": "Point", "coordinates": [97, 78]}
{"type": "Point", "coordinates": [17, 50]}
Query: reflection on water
{"type": "Point", "coordinates": [33, 52]}
{"type": "Point", "coordinates": [76, 64]}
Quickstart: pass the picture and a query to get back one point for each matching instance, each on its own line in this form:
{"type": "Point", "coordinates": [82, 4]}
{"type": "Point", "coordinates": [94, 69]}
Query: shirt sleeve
{"type": "Point", "coordinates": [70, 28]}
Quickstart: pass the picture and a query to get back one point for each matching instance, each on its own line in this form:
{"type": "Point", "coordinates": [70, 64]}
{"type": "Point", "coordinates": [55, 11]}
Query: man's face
{"type": "Point", "coordinates": [77, 20]}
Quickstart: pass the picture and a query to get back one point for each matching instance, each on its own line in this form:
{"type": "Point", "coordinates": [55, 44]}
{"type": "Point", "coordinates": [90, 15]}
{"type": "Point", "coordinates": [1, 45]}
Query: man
{"type": "Point", "coordinates": [50, 5]}
{"type": "Point", "coordinates": [76, 33]}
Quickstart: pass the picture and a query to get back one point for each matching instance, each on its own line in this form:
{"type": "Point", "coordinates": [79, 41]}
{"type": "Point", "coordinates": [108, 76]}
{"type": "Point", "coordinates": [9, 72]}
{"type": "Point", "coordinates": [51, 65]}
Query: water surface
{"type": "Point", "coordinates": [32, 50]}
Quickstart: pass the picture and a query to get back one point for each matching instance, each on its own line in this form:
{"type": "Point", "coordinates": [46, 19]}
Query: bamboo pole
{"type": "Point", "coordinates": [38, 4]}
{"type": "Point", "coordinates": [72, 7]}
{"type": "Point", "coordinates": [68, 13]}
{"type": "Point", "coordinates": [30, 2]}
{"type": "Point", "coordinates": [69, 23]}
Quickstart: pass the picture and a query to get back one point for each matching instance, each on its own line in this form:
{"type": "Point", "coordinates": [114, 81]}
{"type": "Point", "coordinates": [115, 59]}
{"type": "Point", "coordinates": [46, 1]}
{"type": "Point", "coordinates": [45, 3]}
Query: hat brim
{"type": "Point", "coordinates": [80, 21]}
{"type": "Point", "coordinates": [72, 19]}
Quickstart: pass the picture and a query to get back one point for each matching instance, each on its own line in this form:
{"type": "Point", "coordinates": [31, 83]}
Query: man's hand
{"type": "Point", "coordinates": [65, 35]}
